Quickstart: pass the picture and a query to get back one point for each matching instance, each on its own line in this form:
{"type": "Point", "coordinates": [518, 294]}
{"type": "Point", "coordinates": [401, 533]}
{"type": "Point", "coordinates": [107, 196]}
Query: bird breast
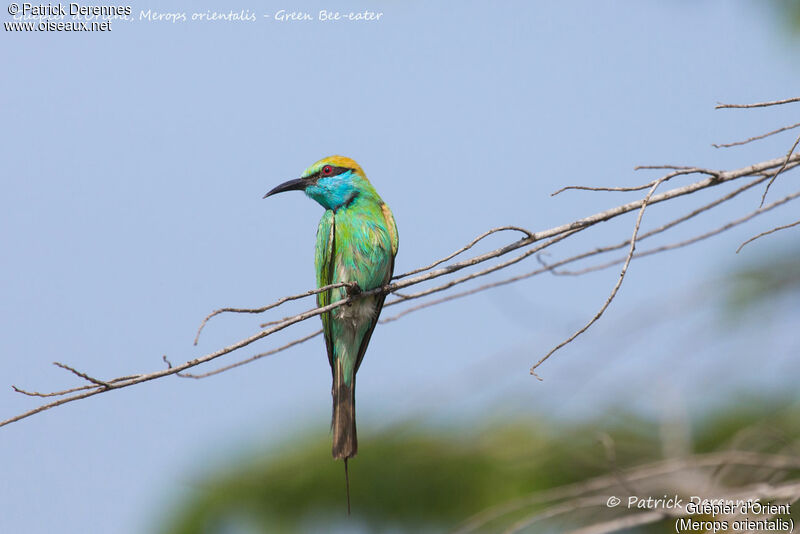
{"type": "Point", "coordinates": [355, 314]}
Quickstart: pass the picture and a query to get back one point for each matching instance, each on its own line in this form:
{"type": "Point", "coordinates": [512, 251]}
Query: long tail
{"type": "Point", "coordinates": [345, 440]}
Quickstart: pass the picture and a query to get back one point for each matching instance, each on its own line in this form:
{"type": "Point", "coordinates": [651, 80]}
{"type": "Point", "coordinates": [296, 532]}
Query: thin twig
{"type": "Point", "coordinates": [82, 375]}
{"type": "Point", "coordinates": [756, 138]}
{"type": "Point", "coordinates": [138, 379]}
{"type": "Point", "coordinates": [585, 255]}
{"type": "Point", "coordinates": [275, 304]}
{"type": "Point", "coordinates": [762, 234]}
{"type": "Point", "coordinates": [690, 241]}
{"type": "Point", "coordinates": [51, 394]}
{"type": "Point", "coordinates": [403, 296]}
{"type": "Point", "coordinates": [551, 267]}
{"type": "Point", "coordinates": [66, 391]}
{"type": "Point", "coordinates": [575, 258]}
{"type": "Point", "coordinates": [613, 291]}
{"type": "Point", "coordinates": [464, 249]}
{"type": "Point", "coordinates": [679, 172]}
{"type": "Point", "coordinates": [758, 104]}
{"type": "Point", "coordinates": [252, 358]}
{"type": "Point", "coordinates": [658, 167]}
{"type": "Point", "coordinates": [483, 272]}
{"type": "Point", "coordinates": [774, 176]}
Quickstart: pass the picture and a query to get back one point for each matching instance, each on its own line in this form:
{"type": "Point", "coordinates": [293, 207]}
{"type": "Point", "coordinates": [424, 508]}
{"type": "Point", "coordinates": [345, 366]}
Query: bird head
{"type": "Point", "coordinates": [333, 182]}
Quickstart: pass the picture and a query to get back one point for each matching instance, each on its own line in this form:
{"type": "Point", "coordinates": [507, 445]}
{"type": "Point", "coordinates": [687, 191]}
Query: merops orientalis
{"type": "Point", "coordinates": [356, 242]}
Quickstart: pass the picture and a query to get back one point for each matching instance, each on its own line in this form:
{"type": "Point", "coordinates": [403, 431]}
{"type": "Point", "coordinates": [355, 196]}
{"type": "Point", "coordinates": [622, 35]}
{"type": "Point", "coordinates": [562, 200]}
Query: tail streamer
{"type": "Point", "coordinates": [347, 484]}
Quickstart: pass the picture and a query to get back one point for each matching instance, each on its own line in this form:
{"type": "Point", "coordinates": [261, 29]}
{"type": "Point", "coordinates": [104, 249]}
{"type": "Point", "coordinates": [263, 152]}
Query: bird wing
{"type": "Point", "coordinates": [323, 259]}
{"type": "Point", "coordinates": [392, 229]}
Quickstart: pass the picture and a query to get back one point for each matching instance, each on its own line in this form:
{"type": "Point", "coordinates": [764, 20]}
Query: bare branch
{"type": "Point", "coordinates": [428, 267]}
{"type": "Point", "coordinates": [762, 234]}
{"type": "Point", "coordinates": [758, 104]}
{"type": "Point", "coordinates": [51, 394]}
{"type": "Point", "coordinates": [616, 287]}
{"type": "Point", "coordinates": [252, 358]}
{"type": "Point", "coordinates": [569, 260]}
{"type": "Point", "coordinates": [690, 241]}
{"type": "Point", "coordinates": [68, 391]}
{"type": "Point", "coordinates": [591, 188]}
{"type": "Point", "coordinates": [774, 176]}
{"type": "Point", "coordinates": [680, 171]}
{"type": "Point", "coordinates": [599, 250]}
{"type": "Point", "coordinates": [483, 272]}
{"type": "Point", "coordinates": [171, 370]}
{"type": "Point", "coordinates": [660, 167]}
{"type": "Point", "coordinates": [531, 242]}
{"type": "Point", "coordinates": [757, 137]}
{"type": "Point", "coordinates": [552, 267]}
{"type": "Point", "coordinates": [269, 306]}
{"type": "Point", "coordinates": [464, 249]}
{"type": "Point", "coordinates": [82, 375]}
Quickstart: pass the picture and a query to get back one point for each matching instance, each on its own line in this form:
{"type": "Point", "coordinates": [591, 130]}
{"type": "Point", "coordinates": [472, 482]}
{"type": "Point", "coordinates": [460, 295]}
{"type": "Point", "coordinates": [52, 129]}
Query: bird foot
{"type": "Point", "coordinates": [352, 289]}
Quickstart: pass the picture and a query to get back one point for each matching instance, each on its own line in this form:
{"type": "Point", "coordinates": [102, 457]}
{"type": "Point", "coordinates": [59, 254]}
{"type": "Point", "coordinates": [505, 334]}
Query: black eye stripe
{"type": "Point", "coordinates": [334, 171]}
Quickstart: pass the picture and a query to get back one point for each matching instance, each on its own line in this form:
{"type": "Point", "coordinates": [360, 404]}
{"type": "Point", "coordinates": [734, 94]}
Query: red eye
{"type": "Point", "coordinates": [327, 170]}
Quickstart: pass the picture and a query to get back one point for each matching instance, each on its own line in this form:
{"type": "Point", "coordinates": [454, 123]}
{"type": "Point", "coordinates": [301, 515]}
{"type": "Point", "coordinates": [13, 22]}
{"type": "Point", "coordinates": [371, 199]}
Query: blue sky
{"type": "Point", "coordinates": [135, 162]}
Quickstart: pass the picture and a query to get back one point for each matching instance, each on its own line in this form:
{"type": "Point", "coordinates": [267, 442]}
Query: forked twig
{"type": "Point", "coordinates": [614, 291]}
{"type": "Point", "coordinates": [82, 375]}
{"type": "Point", "coordinates": [262, 309]}
{"type": "Point", "coordinates": [679, 172]}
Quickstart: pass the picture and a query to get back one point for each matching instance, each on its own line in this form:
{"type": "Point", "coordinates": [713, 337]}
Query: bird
{"type": "Point", "coordinates": [356, 246]}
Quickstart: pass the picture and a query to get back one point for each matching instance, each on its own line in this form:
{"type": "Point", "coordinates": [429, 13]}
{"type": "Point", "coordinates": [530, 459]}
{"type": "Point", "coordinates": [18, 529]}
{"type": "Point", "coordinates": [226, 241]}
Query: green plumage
{"type": "Point", "coordinates": [356, 242]}
{"type": "Point", "coordinates": [353, 245]}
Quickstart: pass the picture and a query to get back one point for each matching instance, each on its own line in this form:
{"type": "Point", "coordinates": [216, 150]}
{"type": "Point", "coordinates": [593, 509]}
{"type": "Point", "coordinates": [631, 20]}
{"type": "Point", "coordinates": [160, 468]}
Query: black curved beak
{"type": "Point", "coordinates": [297, 184]}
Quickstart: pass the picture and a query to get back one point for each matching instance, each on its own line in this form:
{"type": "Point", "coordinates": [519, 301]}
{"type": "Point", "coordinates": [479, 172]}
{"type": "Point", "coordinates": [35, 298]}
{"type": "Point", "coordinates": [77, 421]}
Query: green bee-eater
{"type": "Point", "coordinates": [356, 242]}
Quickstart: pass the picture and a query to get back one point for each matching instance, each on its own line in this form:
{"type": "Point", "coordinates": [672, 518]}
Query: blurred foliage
{"type": "Point", "coordinates": [418, 479]}
{"type": "Point", "coordinates": [771, 277]}
{"type": "Point", "coordinates": [789, 12]}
